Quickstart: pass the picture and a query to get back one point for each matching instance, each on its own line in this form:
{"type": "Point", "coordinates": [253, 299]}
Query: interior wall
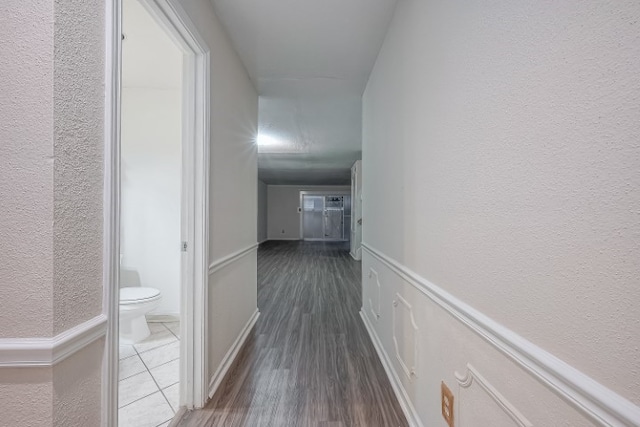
{"type": "Point", "coordinates": [233, 163]}
{"type": "Point", "coordinates": [283, 201]}
{"type": "Point", "coordinates": [501, 164]}
{"type": "Point", "coordinates": [78, 131]}
{"type": "Point", "coordinates": [26, 184]}
{"type": "Point", "coordinates": [151, 155]}
{"type": "Point", "coordinates": [51, 192]}
{"type": "Point", "coordinates": [262, 211]}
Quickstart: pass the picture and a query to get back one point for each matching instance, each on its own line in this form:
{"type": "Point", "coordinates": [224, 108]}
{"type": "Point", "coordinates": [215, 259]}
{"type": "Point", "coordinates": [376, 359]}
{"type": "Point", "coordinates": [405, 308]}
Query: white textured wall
{"type": "Point", "coordinates": [52, 133]}
{"type": "Point", "coordinates": [151, 153]}
{"type": "Point", "coordinates": [262, 211]}
{"type": "Point", "coordinates": [78, 93]}
{"type": "Point", "coordinates": [26, 184]}
{"type": "Point", "coordinates": [20, 388]}
{"type": "Point", "coordinates": [76, 388]}
{"type": "Point", "coordinates": [78, 133]}
{"type": "Point", "coordinates": [501, 162]}
{"type": "Point", "coordinates": [233, 185]}
{"type": "Point", "coordinates": [283, 202]}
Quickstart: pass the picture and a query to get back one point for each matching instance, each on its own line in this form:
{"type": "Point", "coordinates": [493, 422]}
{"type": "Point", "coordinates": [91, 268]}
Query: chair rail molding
{"type": "Point", "coordinates": [46, 352]}
{"type": "Point", "coordinates": [231, 258]}
{"type": "Point", "coordinates": [602, 405]}
{"type": "Point", "coordinates": [472, 376]}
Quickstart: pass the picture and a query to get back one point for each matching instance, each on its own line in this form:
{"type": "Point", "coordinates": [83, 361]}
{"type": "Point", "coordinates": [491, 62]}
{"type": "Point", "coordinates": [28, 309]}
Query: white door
{"type": "Point", "coordinates": [356, 209]}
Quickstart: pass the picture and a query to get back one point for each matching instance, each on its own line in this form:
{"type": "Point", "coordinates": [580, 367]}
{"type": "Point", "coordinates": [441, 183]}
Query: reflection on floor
{"type": "Point", "coordinates": [148, 391]}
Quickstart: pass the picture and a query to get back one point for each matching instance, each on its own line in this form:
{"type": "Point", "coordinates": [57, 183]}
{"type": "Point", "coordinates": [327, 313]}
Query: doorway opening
{"type": "Point", "coordinates": [151, 163]}
{"type": "Point", "coordinates": [156, 213]}
{"type": "Point", "coordinates": [325, 216]}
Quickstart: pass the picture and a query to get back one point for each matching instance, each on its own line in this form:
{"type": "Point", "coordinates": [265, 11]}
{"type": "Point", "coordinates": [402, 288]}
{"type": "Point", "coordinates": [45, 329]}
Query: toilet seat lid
{"type": "Point", "coordinates": [137, 294]}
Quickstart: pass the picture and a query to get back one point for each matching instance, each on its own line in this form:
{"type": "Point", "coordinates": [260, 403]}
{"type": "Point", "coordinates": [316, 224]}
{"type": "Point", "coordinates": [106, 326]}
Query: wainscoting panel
{"type": "Point", "coordinates": [425, 335]}
{"type": "Point", "coordinates": [374, 294]}
{"type": "Point", "coordinates": [405, 336]}
{"type": "Point", "coordinates": [479, 403]}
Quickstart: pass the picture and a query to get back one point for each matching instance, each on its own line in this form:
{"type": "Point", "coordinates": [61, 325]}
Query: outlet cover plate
{"type": "Point", "coordinates": [447, 404]}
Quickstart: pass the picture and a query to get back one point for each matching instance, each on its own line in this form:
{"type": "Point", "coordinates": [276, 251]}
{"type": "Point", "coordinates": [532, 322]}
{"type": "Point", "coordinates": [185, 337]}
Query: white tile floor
{"type": "Point", "coordinates": [148, 391]}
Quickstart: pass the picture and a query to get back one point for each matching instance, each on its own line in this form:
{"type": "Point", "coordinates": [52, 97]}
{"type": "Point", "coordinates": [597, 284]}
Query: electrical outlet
{"type": "Point", "coordinates": [447, 404]}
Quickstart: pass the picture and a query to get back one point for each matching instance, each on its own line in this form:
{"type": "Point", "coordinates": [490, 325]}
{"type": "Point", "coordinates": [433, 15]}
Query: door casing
{"type": "Point", "coordinates": [195, 201]}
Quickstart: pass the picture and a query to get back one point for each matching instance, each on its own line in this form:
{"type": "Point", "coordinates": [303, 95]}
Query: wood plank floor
{"type": "Point", "coordinates": [309, 360]}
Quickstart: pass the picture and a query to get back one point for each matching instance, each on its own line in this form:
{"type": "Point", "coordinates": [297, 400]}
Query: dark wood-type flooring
{"type": "Point", "coordinates": [309, 360]}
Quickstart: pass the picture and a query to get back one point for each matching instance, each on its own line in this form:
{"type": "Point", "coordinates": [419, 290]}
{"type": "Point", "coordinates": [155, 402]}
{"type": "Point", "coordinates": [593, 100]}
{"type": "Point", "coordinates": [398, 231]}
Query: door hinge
{"type": "Point", "coordinates": [183, 246]}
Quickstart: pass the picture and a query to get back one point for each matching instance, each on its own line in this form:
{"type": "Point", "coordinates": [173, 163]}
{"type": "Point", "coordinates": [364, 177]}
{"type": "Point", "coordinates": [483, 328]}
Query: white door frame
{"type": "Point", "coordinates": [319, 193]}
{"type": "Point", "coordinates": [195, 224]}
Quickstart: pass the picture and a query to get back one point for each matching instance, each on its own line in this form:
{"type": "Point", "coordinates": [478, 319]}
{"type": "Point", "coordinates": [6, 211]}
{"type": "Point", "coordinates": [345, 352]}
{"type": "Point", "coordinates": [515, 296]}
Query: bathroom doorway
{"type": "Point", "coordinates": [157, 210]}
{"type": "Point", "coordinates": [150, 221]}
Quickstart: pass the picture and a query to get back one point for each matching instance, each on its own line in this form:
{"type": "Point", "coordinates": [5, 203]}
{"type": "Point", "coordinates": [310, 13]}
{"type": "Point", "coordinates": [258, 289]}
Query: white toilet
{"type": "Point", "coordinates": [135, 302]}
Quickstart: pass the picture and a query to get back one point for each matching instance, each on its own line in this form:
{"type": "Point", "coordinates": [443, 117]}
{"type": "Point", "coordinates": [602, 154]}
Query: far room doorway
{"type": "Point", "coordinates": [325, 216]}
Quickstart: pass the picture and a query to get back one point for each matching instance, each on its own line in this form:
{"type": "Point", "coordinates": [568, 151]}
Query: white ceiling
{"type": "Point", "coordinates": [310, 61]}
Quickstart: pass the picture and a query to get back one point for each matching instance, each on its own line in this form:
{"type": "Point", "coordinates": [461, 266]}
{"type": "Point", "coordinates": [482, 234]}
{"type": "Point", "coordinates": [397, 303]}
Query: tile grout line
{"type": "Point", "coordinates": [165, 398]}
{"type": "Point", "coordinates": [169, 329]}
{"type": "Point", "coordinates": [162, 364]}
{"type": "Point", "coordinates": [134, 374]}
{"type": "Point", "coordinates": [138, 353]}
{"type": "Point", "coordinates": [139, 399]}
{"type": "Point", "coordinates": [155, 348]}
{"type": "Point", "coordinates": [178, 358]}
{"type": "Point", "coordinates": [158, 386]}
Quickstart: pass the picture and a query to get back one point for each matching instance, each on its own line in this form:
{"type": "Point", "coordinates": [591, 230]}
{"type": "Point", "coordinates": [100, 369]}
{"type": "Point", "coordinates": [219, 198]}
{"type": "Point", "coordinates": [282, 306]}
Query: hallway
{"type": "Point", "coordinates": [309, 360]}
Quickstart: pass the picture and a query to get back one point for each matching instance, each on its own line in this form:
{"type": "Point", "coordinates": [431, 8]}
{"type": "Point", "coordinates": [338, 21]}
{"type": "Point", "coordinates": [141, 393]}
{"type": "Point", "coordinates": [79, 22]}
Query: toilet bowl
{"type": "Point", "coordinates": [135, 302]}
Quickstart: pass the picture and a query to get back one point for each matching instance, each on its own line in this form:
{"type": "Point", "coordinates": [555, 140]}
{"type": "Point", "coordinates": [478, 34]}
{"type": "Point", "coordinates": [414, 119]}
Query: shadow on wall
{"type": "Point", "coordinates": [129, 278]}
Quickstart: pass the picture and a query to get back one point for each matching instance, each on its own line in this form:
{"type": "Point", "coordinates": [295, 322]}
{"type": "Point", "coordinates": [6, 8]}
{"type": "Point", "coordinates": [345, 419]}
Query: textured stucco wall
{"type": "Point", "coordinates": [26, 397]}
{"type": "Point", "coordinates": [501, 162]}
{"type": "Point", "coordinates": [26, 153]}
{"type": "Point", "coordinates": [78, 141]}
{"type": "Point", "coordinates": [51, 202]}
{"type": "Point", "coordinates": [76, 388]}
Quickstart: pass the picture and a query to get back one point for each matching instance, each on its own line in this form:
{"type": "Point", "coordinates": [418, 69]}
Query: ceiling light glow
{"type": "Point", "coordinates": [264, 140]}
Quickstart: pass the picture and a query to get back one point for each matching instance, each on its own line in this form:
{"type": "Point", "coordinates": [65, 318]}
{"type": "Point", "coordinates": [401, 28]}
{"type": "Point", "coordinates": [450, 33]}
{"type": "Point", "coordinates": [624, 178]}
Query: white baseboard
{"type": "Point", "coordinates": [228, 359]}
{"type": "Point", "coordinates": [163, 317]}
{"type": "Point", "coordinates": [405, 403]}
{"type": "Point", "coordinates": [283, 238]}
{"type": "Point", "coordinates": [354, 256]}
